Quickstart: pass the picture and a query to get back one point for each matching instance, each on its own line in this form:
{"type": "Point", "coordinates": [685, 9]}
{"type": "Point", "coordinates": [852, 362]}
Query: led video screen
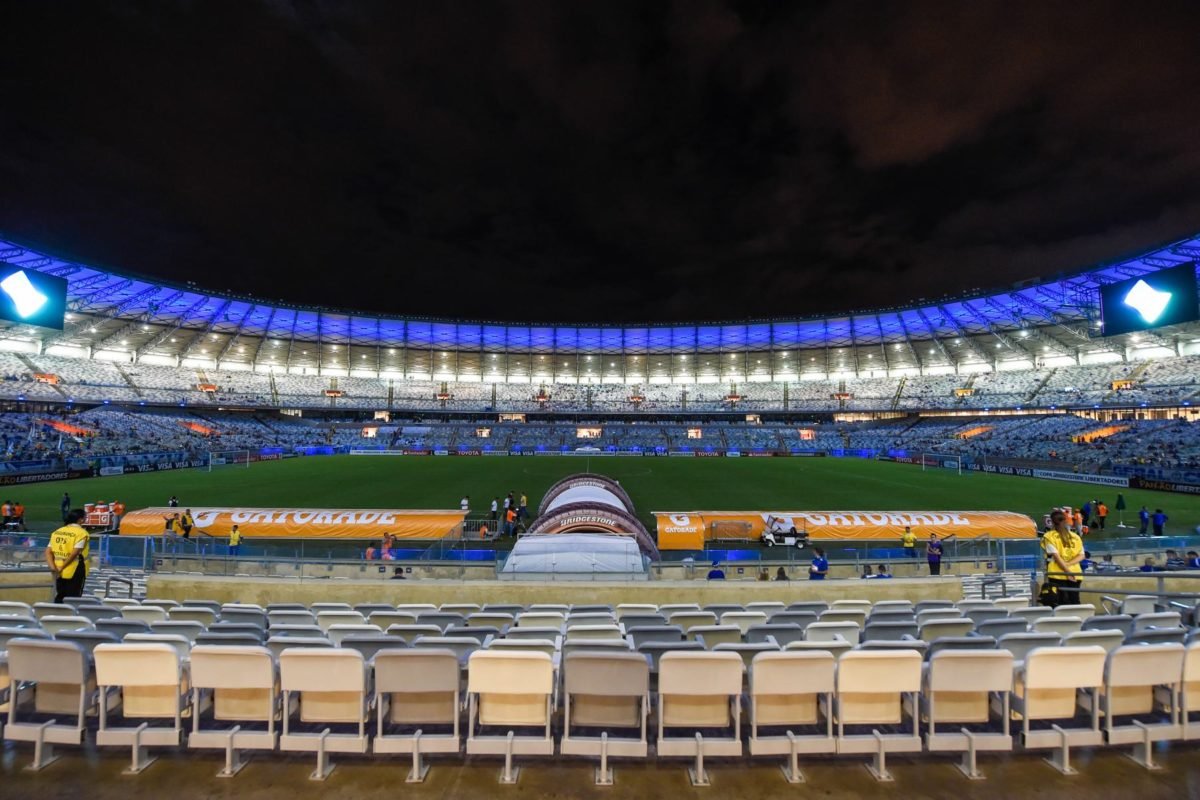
{"type": "Point", "coordinates": [32, 297]}
{"type": "Point", "coordinates": [1166, 297]}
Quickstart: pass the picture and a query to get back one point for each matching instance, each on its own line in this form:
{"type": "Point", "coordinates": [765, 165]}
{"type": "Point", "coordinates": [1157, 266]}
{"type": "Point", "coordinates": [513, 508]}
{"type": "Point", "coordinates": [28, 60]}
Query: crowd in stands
{"type": "Point", "coordinates": [1160, 381]}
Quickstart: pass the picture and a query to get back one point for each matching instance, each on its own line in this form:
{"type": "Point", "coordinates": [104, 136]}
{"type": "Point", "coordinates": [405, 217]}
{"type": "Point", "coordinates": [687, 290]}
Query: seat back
{"type": "Point", "coordinates": [928, 605]}
{"type": "Point", "coordinates": [694, 689]}
{"type": "Point", "coordinates": [161, 603]}
{"type": "Point", "coordinates": [512, 687]}
{"type": "Point", "coordinates": [932, 614]}
{"type": "Point", "coordinates": [1056, 624]}
{"type": "Point", "coordinates": [87, 640]}
{"type": "Point", "coordinates": [409, 633]}
{"type": "Point", "coordinates": [338, 633]}
{"type": "Point", "coordinates": [332, 683]}
{"type": "Point", "coordinates": [570, 646]}
{"type": "Point", "coordinates": [542, 619]}
{"type": "Point", "coordinates": [690, 619]}
{"type": "Point", "coordinates": [318, 608]}
{"type": "Point", "coordinates": [958, 683]}
{"type": "Point", "coordinates": [423, 685]}
{"type": "Point", "coordinates": [836, 648]}
{"type": "Point", "coordinates": [784, 686]}
{"type": "Point", "coordinates": [327, 619]}
{"type": "Point", "coordinates": [655, 650]}
{"type": "Point", "coordinates": [54, 624]}
{"type": "Point", "coordinates": [889, 631]}
{"type": "Point", "coordinates": [1159, 619]}
{"type": "Point", "coordinates": [461, 646]}
{"type": "Point", "coordinates": [461, 609]}
{"type": "Point", "coordinates": [606, 688]}
{"type": "Point", "coordinates": [122, 627]}
{"type": "Point", "coordinates": [549, 646]}
{"type": "Point", "coordinates": [146, 614]}
{"type": "Point", "coordinates": [978, 615]}
{"type": "Point", "coordinates": [744, 619]}
{"type": "Point", "coordinates": [800, 618]}
{"type": "Point", "coordinates": [639, 636]}
{"type": "Point", "coordinates": [386, 619]}
{"type": "Point", "coordinates": [1001, 627]}
{"type": "Point", "coordinates": [8, 634]}
{"type": "Point", "coordinates": [835, 614]}
{"type": "Point", "coordinates": [940, 628]}
{"type": "Point", "coordinates": [1010, 604]}
{"type": "Point", "coordinates": [277, 644]}
{"type": "Point", "coordinates": [370, 644]}
{"type": "Point", "coordinates": [1081, 610]}
{"type": "Point", "coordinates": [871, 684]}
{"type": "Point", "coordinates": [1136, 604]}
{"type": "Point", "coordinates": [1158, 636]}
{"type": "Point", "coordinates": [282, 631]}
{"type": "Point", "coordinates": [12, 608]}
{"type": "Point", "coordinates": [95, 613]}
{"type": "Point", "coordinates": [188, 630]}
{"type": "Point", "coordinates": [49, 662]}
{"type": "Point", "coordinates": [721, 609]}
{"type": "Point", "coordinates": [809, 606]}
{"type": "Point", "coordinates": [713, 635]}
{"type": "Point", "coordinates": [228, 639]}
{"type": "Point", "coordinates": [43, 610]}
{"type": "Point", "coordinates": [203, 616]}
{"type": "Point", "coordinates": [442, 619]}
{"type": "Point", "coordinates": [290, 617]}
{"type": "Point", "coordinates": [960, 643]}
{"type": "Point", "coordinates": [610, 631]}
{"type": "Point", "coordinates": [1053, 675]}
{"type": "Point", "coordinates": [767, 607]}
{"type": "Point", "coordinates": [1032, 613]}
{"type": "Point", "coordinates": [367, 609]}
{"type": "Point", "coordinates": [1022, 644]}
{"type": "Point", "coordinates": [1109, 640]}
{"type": "Point", "coordinates": [626, 609]}
{"type": "Point", "coordinates": [833, 631]}
{"type": "Point", "coordinates": [858, 605]}
{"type": "Point", "coordinates": [1109, 622]}
{"type": "Point", "coordinates": [489, 619]}
{"type": "Point", "coordinates": [781, 634]}
{"type": "Point", "coordinates": [148, 673]}
{"type": "Point", "coordinates": [243, 680]}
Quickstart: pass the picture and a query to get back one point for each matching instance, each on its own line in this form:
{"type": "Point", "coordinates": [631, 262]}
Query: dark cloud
{"type": "Point", "coordinates": [606, 161]}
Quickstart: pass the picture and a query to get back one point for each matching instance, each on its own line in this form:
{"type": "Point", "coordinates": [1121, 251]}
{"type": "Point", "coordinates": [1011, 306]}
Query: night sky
{"type": "Point", "coordinates": [599, 161]}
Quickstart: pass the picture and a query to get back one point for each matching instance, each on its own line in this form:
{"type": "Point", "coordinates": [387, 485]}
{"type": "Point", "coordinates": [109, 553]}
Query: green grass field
{"type": "Point", "coordinates": [655, 484]}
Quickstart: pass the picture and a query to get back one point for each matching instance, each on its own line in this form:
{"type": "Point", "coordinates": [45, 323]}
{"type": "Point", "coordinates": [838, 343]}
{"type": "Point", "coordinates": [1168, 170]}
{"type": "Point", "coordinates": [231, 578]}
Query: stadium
{"type": "Point", "coordinates": [250, 541]}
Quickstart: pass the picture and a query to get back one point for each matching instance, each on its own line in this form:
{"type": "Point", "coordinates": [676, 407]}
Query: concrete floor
{"type": "Point", "coordinates": [183, 775]}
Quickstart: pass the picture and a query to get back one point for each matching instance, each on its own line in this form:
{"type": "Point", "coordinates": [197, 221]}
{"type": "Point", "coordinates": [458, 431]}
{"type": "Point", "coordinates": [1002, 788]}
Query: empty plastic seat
{"type": "Point", "coordinates": [889, 631]}
{"type": "Point", "coordinates": [641, 620]}
{"type": "Point", "coordinates": [837, 648]}
{"type": "Point", "coordinates": [290, 617]}
{"type": "Point", "coordinates": [461, 609]}
{"type": "Point", "coordinates": [146, 614]}
{"type": "Point", "coordinates": [941, 628]}
{"type": "Point", "coordinates": [1136, 604]}
{"type": "Point", "coordinates": [1158, 619]}
{"type": "Point", "coordinates": [280, 631]}
{"type": "Point", "coordinates": [801, 618]}
{"type": "Point", "coordinates": [442, 619]}
{"type": "Point", "coordinates": [480, 634]}
{"type": "Point", "coordinates": [502, 608]}
{"type": "Point", "coordinates": [241, 683]}
{"type": "Point", "coordinates": [332, 689]}
{"type": "Point", "coordinates": [1011, 603]}
{"type": "Point", "coordinates": [204, 616]}
{"type": "Point", "coordinates": [278, 644]}
{"type": "Point", "coordinates": [228, 639]}
{"type": "Point", "coordinates": [1045, 688]}
{"type": "Point", "coordinates": [722, 608]}
{"type": "Point", "coordinates": [1189, 691]}
{"type": "Point", "coordinates": [591, 618]}
{"type": "Point", "coordinates": [746, 651]}
{"type": "Point", "coordinates": [809, 606]}
{"type": "Point", "coordinates": [1109, 622]}
{"type": "Point", "coordinates": [211, 605]}
{"type": "Point", "coordinates": [790, 692]}
{"type": "Point", "coordinates": [926, 605]}
{"type": "Point", "coordinates": [1081, 610]}
{"type": "Point", "coordinates": [12, 608]}
{"type": "Point", "coordinates": [8, 634]}
{"type": "Point", "coordinates": [957, 691]}
{"type": "Point", "coordinates": [338, 633]}
{"type": "Point", "coordinates": [931, 614]}
{"type": "Point", "coordinates": [1022, 644]}
{"type": "Point", "coordinates": [878, 688]}
{"type": "Point", "coordinates": [835, 614]}
{"type": "Point", "coordinates": [151, 678]}
{"type": "Point", "coordinates": [654, 651]}
{"type": "Point", "coordinates": [54, 624]}
{"type": "Point", "coordinates": [461, 646]}
{"type": "Point", "coordinates": [780, 634]}
{"type": "Point", "coordinates": [542, 619]}
{"type": "Point", "coordinates": [238, 627]}
{"type": "Point", "coordinates": [609, 695]}
{"type": "Point", "coordinates": [509, 691]}
{"type": "Point", "coordinates": [892, 616]}
{"type": "Point", "coordinates": [327, 619]}
{"type": "Point", "coordinates": [245, 615]}
{"type": "Point", "coordinates": [43, 610]}
{"type": "Point", "coordinates": [1158, 636]}
{"type": "Point", "coordinates": [966, 606]}
{"type": "Point", "coordinates": [888, 606]}
{"type": "Point", "coordinates": [654, 633]}
{"type": "Point", "coordinates": [699, 690]}
{"type": "Point", "coordinates": [1032, 614]}
{"type": "Point", "coordinates": [767, 607]}
{"type": "Point", "coordinates": [675, 608]}
{"type": "Point", "coordinates": [60, 675]}
{"type": "Point", "coordinates": [367, 609]}
{"type": "Point", "coordinates": [188, 630]}
{"type": "Point", "coordinates": [570, 646]}
{"type": "Point", "coordinates": [415, 690]}
{"type": "Point", "coordinates": [1109, 640]}
{"type": "Point", "coordinates": [87, 640]}
{"type": "Point", "coordinates": [1056, 624]}
{"type": "Point", "coordinates": [489, 619]}
{"type": "Point", "coordinates": [626, 609]}
{"type": "Point", "coordinates": [832, 632]}
{"type": "Point", "coordinates": [611, 631]}
{"type": "Point", "coordinates": [690, 619]}
{"type": "Point", "coordinates": [852, 604]}
{"type": "Point", "coordinates": [1001, 627]}
{"type": "Point", "coordinates": [911, 645]}
{"type": "Point", "coordinates": [744, 619]}
{"type": "Point", "coordinates": [410, 632]}
{"type": "Point", "coordinates": [317, 608]}
{"type": "Point", "coordinates": [593, 608]}
{"type": "Point", "coordinates": [372, 644]}
{"type": "Point", "coordinates": [386, 619]}
{"type": "Point", "coordinates": [121, 627]}
{"type": "Point", "coordinates": [978, 615]}
{"type": "Point", "coordinates": [95, 613]}
{"type": "Point", "coordinates": [164, 604]}
{"type": "Point", "coordinates": [973, 642]}
{"type": "Point", "coordinates": [179, 643]}
{"type": "Point", "coordinates": [533, 633]}
{"type": "Point", "coordinates": [712, 635]}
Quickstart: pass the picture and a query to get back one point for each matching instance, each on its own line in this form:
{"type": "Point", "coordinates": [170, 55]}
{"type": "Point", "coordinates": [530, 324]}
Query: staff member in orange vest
{"type": "Point", "coordinates": [19, 515]}
{"type": "Point", "coordinates": [1102, 514]}
{"type": "Point", "coordinates": [117, 510]}
{"type": "Point", "coordinates": [67, 556]}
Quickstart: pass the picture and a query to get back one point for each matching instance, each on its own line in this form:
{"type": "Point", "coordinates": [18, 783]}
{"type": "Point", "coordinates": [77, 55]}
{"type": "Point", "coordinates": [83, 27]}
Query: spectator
{"type": "Point", "coordinates": [781, 574]}
{"type": "Point", "coordinates": [465, 503]}
{"type": "Point", "coordinates": [909, 541]}
{"type": "Point", "coordinates": [1106, 564]}
{"type": "Point", "coordinates": [173, 502]}
{"type": "Point", "coordinates": [186, 522]}
{"type": "Point", "coordinates": [398, 574]}
{"type": "Point", "coordinates": [1174, 561]}
{"type": "Point", "coordinates": [495, 509]}
{"type": "Point", "coordinates": [235, 541]}
{"type": "Point", "coordinates": [1086, 511]}
{"type": "Point", "coordinates": [820, 567]}
{"type": "Point", "coordinates": [933, 553]}
{"type": "Point", "coordinates": [1086, 564]}
{"type": "Point", "coordinates": [1064, 552]}
{"type": "Point", "coordinates": [1101, 513]}
{"type": "Point", "coordinates": [881, 572]}
{"type": "Point", "coordinates": [764, 574]}
{"type": "Point", "coordinates": [1193, 559]}
{"type": "Point", "coordinates": [1159, 521]}
{"type": "Point", "coordinates": [523, 510]}
{"type": "Point", "coordinates": [867, 574]}
{"type": "Point", "coordinates": [716, 573]}
{"type": "Point", "coordinates": [510, 522]}
{"type": "Point", "coordinates": [1150, 565]}
{"type": "Point", "coordinates": [371, 553]}
{"type": "Point", "coordinates": [1144, 521]}
{"type": "Point", "coordinates": [65, 506]}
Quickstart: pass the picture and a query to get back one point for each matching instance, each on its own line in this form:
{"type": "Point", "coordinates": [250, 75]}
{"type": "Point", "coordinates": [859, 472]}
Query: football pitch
{"type": "Point", "coordinates": [655, 484]}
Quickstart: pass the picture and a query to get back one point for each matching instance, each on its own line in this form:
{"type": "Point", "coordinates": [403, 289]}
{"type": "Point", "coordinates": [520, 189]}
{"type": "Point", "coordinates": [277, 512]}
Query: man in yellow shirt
{"type": "Point", "coordinates": [235, 541]}
{"type": "Point", "coordinates": [67, 556]}
{"type": "Point", "coordinates": [1064, 556]}
{"type": "Point", "coordinates": [909, 540]}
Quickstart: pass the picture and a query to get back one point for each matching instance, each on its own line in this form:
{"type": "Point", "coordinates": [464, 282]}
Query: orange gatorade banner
{"type": "Point", "coordinates": [302, 523]}
{"type": "Point", "coordinates": [689, 530]}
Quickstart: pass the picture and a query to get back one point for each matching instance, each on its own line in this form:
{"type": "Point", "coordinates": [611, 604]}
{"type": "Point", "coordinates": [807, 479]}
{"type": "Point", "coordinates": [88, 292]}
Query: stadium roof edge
{"type": "Point", "coordinates": [1161, 252]}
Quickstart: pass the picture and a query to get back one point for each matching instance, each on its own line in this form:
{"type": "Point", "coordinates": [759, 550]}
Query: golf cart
{"type": "Point", "coordinates": [775, 533]}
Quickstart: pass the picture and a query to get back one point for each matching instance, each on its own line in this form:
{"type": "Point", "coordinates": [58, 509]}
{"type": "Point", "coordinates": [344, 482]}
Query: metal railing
{"type": "Point", "coordinates": [117, 579]}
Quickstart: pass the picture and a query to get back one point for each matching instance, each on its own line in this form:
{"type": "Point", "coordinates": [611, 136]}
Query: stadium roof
{"type": "Point", "coordinates": [139, 317]}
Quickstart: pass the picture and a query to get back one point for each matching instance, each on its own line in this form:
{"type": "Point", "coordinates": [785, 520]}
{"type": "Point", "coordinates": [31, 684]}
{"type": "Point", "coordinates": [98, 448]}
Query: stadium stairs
{"type": "Point", "coordinates": [129, 380]}
{"type": "Point", "coordinates": [1041, 385]}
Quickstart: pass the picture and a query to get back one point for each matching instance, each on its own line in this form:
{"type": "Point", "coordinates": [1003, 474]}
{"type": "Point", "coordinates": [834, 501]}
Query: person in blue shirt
{"type": "Point", "coordinates": [1159, 521]}
{"type": "Point", "coordinates": [716, 573]}
{"type": "Point", "coordinates": [1193, 559]}
{"type": "Point", "coordinates": [1144, 519]}
{"type": "Point", "coordinates": [881, 572]}
{"type": "Point", "coordinates": [820, 567]}
{"type": "Point", "coordinates": [1150, 566]}
{"type": "Point", "coordinates": [1087, 512]}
